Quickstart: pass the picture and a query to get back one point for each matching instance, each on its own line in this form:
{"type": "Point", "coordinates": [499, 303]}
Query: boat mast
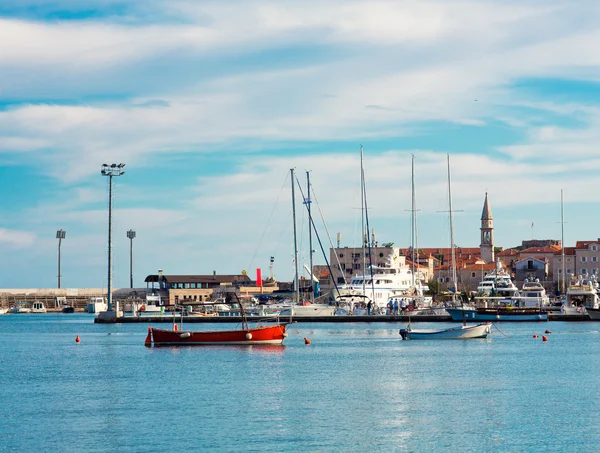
{"type": "Point", "coordinates": [452, 235]}
{"type": "Point", "coordinates": [364, 234]}
{"type": "Point", "coordinates": [562, 232]}
{"type": "Point", "coordinates": [308, 201]}
{"type": "Point", "coordinates": [296, 286]}
{"type": "Point", "coordinates": [412, 223]}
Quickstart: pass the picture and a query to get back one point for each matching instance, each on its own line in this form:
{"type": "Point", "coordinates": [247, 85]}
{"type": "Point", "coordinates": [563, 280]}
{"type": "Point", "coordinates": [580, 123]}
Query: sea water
{"type": "Point", "coordinates": [356, 388]}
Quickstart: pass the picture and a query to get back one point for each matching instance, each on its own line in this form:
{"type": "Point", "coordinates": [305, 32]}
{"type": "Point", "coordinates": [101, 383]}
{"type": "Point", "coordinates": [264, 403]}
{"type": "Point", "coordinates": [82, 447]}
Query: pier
{"type": "Point", "coordinates": [324, 319]}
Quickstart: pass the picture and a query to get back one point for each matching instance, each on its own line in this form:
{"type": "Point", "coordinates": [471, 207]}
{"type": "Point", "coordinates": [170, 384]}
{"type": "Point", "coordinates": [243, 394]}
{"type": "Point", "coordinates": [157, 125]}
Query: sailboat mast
{"type": "Point", "coordinates": [308, 201]}
{"type": "Point", "coordinates": [296, 286]}
{"type": "Point", "coordinates": [451, 233]}
{"type": "Point", "coordinates": [412, 222]}
{"type": "Point", "coordinates": [562, 233]}
{"type": "Point", "coordinates": [362, 218]}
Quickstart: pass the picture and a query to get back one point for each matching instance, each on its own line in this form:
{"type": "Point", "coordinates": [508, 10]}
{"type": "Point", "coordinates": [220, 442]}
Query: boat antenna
{"type": "Point", "coordinates": [296, 287]}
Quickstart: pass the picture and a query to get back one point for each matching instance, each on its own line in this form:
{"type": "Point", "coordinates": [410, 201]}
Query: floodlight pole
{"type": "Point", "coordinates": [60, 235]}
{"type": "Point", "coordinates": [110, 171]}
{"type": "Point", "coordinates": [131, 236]}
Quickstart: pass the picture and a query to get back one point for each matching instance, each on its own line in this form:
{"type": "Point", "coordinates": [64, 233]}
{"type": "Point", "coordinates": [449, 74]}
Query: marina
{"type": "Point", "coordinates": [95, 393]}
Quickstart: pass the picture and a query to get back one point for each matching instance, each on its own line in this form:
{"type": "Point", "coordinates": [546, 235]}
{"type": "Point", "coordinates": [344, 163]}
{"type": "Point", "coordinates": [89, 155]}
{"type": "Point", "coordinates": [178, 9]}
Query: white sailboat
{"type": "Point", "coordinates": [462, 332]}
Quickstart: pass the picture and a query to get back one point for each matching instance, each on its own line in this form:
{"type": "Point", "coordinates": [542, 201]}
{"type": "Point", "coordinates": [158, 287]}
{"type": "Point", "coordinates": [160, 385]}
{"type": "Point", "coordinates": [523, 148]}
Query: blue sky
{"type": "Point", "coordinates": [209, 104]}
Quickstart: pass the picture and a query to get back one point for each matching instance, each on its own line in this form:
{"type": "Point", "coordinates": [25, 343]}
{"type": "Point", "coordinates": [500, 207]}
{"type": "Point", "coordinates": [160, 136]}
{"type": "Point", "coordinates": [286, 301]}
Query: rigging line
{"type": "Point", "coordinates": [319, 239]}
{"type": "Point", "coordinates": [314, 196]}
{"type": "Point", "coordinates": [268, 223]}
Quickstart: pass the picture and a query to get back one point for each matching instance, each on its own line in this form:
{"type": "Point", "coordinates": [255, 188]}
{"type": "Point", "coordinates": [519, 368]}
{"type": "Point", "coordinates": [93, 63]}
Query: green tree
{"type": "Point", "coordinates": [434, 287]}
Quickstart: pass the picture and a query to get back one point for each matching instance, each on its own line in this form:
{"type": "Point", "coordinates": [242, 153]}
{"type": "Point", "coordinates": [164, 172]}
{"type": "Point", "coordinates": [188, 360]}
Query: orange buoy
{"type": "Point", "coordinates": [306, 341]}
{"type": "Point", "coordinates": [548, 331]}
{"type": "Point", "coordinates": [77, 340]}
{"type": "Point", "coordinates": [535, 335]}
{"type": "Point", "coordinates": [544, 338]}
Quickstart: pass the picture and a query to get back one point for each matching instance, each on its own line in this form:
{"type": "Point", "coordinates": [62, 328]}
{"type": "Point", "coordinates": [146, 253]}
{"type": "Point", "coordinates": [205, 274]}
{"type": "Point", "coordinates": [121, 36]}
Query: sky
{"type": "Point", "coordinates": [210, 104]}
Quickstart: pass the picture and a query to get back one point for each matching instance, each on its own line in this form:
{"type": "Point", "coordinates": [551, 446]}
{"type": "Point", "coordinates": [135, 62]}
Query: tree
{"type": "Point", "coordinates": [434, 287]}
{"type": "Point", "coordinates": [387, 244]}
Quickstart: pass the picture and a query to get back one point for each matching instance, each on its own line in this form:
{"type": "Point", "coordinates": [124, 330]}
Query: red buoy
{"type": "Point", "coordinates": [544, 338]}
{"type": "Point", "coordinates": [535, 335]}
{"type": "Point", "coordinates": [548, 331]}
{"type": "Point", "coordinates": [77, 340]}
{"type": "Point", "coordinates": [306, 341]}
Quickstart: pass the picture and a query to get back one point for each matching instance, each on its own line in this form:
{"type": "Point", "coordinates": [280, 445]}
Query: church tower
{"type": "Point", "coordinates": [487, 233]}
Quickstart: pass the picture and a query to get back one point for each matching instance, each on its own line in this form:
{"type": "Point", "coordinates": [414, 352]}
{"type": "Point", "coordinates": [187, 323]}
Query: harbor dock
{"type": "Point", "coordinates": [324, 319]}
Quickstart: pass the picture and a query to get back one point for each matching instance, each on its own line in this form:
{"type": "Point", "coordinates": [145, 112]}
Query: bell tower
{"type": "Point", "coordinates": [486, 247]}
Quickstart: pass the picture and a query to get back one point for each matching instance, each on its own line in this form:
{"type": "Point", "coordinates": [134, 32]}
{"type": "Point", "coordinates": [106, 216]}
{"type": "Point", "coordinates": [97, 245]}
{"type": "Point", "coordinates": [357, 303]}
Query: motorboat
{"type": "Point", "coordinates": [498, 283]}
{"type": "Point", "coordinates": [96, 305]}
{"type": "Point", "coordinates": [503, 311]}
{"type": "Point", "coordinates": [20, 307]}
{"type": "Point", "coordinates": [582, 297]}
{"type": "Point", "coordinates": [533, 294]}
{"type": "Point", "coordinates": [462, 332]}
{"type": "Point", "coordinates": [38, 307]}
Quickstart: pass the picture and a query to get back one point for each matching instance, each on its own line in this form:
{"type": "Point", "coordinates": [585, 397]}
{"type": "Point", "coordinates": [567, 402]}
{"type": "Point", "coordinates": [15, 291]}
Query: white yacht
{"type": "Point", "coordinates": [498, 283]}
{"type": "Point", "coordinates": [582, 296]}
{"type": "Point", "coordinates": [533, 294]}
{"type": "Point", "coordinates": [380, 284]}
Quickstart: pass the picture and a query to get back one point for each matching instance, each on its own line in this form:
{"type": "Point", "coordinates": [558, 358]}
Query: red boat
{"type": "Point", "coordinates": [269, 334]}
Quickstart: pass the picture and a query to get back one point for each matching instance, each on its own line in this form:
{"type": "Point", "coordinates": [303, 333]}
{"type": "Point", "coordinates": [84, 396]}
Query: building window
{"type": "Point", "coordinates": [583, 259]}
{"type": "Point", "coordinates": [343, 266]}
{"type": "Point", "coordinates": [530, 265]}
{"type": "Point", "coordinates": [560, 271]}
{"type": "Point", "coordinates": [594, 259]}
{"type": "Point", "coordinates": [584, 271]}
{"type": "Point", "coordinates": [568, 260]}
{"type": "Point", "coordinates": [569, 271]}
{"type": "Point", "coordinates": [341, 255]}
{"type": "Point", "coordinates": [472, 274]}
{"type": "Point", "coordinates": [594, 248]}
{"type": "Point", "coordinates": [381, 255]}
{"type": "Point", "coordinates": [356, 266]}
{"type": "Point", "coordinates": [186, 285]}
{"type": "Point", "coordinates": [560, 260]}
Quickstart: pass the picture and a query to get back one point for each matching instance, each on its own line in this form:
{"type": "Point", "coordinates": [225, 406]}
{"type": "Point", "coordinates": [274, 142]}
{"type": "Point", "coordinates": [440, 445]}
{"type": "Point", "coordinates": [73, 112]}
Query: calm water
{"type": "Point", "coordinates": [356, 388]}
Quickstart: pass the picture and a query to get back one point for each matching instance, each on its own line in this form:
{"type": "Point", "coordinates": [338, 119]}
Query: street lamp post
{"type": "Point", "coordinates": [131, 236]}
{"type": "Point", "coordinates": [60, 235]}
{"type": "Point", "coordinates": [110, 171]}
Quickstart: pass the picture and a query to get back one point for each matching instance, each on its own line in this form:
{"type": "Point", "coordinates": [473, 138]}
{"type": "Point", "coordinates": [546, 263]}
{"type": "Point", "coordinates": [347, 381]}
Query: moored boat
{"type": "Point", "coordinates": [507, 313]}
{"type": "Point", "coordinates": [268, 334]}
{"type": "Point", "coordinates": [463, 332]}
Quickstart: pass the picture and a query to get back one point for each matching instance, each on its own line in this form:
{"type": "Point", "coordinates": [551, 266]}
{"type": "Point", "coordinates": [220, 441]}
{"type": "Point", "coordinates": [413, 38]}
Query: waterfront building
{"type": "Point", "coordinates": [190, 289]}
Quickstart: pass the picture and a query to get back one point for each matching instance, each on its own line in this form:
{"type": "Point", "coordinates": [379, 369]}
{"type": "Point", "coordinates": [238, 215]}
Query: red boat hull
{"type": "Point", "coordinates": [271, 334]}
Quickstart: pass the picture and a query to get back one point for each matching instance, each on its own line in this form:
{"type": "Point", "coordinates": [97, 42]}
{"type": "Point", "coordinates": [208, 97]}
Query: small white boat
{"type": "Point", "coordinates": [462, 332]}
{"type": "Point", "coordinates": [20, 307]}
{"type": "Point", "coordinates": [3, 311]}
{"type": "Point", "coordinates": [38, 307]}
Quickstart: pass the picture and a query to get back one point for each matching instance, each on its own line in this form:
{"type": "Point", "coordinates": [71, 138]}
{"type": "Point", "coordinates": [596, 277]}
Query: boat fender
{"type": "Point", "coordinates": [535, 335]}
{"type": "Point", "coordinates": [175, 327]}
{"type": "Point", "coordinates": [143, 308]}
{"type": "Point", "coordinates": [185, 335]}
{"type": "Point", "coordinates": [544, 338]}
{"type": "Point", "coordinates": [248, 336]}
{"type": "Point", "coordinates": [284, 334]}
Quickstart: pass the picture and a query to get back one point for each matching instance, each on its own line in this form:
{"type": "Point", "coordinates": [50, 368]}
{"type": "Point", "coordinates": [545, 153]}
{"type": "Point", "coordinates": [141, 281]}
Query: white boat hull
{"type": "Point", "coordinates": [463, 332]}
